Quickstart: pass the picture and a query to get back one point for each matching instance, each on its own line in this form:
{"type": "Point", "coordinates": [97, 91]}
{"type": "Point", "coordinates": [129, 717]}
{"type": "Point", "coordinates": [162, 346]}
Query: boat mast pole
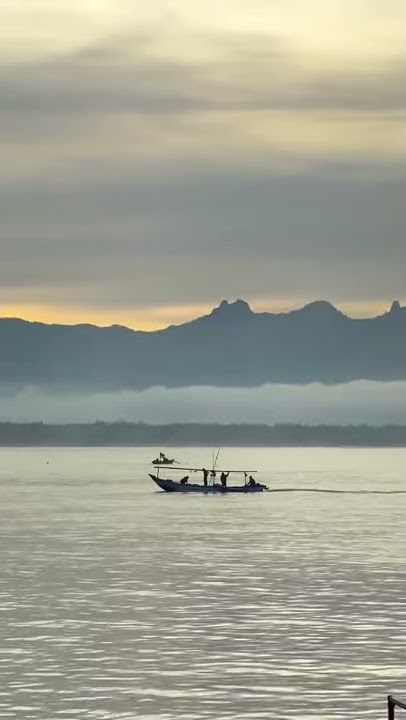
{"type": "Point", "coordinates": [215, 462]}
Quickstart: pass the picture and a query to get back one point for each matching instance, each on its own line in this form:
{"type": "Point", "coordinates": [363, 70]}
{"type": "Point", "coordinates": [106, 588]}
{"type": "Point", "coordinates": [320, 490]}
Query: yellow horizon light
{"type": "Point", "coordinates": [150, 319]}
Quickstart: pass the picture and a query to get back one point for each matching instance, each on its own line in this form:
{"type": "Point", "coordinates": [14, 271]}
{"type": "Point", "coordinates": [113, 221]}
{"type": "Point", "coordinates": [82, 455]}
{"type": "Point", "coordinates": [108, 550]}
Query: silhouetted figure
{"type": "Point", "coordinates": [184, 480]}
{"type": "Point", "coordinates": [251, 482]}
{"type": "Point", "coordinates": [205, 476]}
{"type": "Point", "coordinates": [223, 479]}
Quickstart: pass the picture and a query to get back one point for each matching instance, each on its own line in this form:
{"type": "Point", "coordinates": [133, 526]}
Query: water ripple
{"type": "Point", "coordinates": [122, 603]}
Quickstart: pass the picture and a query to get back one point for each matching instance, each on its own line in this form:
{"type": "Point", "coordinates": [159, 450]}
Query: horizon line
{"type": "Point", "coordinates": [258, 307]}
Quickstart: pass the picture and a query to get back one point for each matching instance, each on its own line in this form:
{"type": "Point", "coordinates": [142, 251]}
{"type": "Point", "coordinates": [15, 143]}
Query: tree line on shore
{"type": "Point", "coordinates": [124, 433]}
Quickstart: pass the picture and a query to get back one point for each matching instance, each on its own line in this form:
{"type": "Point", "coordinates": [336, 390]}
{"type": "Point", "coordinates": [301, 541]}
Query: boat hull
{"type": "Point", "coordinates": [172, 486]}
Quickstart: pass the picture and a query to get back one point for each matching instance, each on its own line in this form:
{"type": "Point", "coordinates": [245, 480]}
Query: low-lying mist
{"type": "Point", "coordinates": [359, 402]}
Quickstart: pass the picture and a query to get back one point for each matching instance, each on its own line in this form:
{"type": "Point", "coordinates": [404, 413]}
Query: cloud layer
{"type": "Point", "coordinates": [253, 149]}
{"type": "Point", "coordinates": [358, 402]}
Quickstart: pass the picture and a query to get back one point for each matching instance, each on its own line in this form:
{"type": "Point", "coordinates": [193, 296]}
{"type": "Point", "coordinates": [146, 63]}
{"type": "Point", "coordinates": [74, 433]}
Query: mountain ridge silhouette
{"type": "Point", "coordinates": [230, 346]}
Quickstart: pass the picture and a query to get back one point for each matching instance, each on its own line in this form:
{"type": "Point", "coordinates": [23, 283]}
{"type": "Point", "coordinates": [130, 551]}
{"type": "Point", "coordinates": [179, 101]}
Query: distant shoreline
{"type": "Point", "coordinates": [127, 434]}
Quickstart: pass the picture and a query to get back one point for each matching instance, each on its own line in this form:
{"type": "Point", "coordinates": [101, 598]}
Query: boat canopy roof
{"type": "Point", "coordinates": [200, 469]}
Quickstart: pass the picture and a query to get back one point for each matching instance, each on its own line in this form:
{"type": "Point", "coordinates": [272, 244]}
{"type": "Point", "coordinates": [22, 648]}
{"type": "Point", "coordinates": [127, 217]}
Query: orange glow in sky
{"type": "Point", "coordinates": [156, 318]}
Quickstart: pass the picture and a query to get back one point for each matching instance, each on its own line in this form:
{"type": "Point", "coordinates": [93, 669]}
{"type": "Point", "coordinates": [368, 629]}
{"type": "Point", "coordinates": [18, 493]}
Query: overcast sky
{"type": "Point", "coordinates": [160, 159]}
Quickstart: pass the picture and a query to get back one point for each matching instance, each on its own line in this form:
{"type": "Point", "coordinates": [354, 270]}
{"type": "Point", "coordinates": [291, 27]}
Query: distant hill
{"type": "Point", "coordinates": [200, 434]}
{"type": "Point", "coordinates": [232, 346]}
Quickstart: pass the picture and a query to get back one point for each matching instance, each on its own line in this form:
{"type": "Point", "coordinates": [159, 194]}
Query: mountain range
{"type": "Point", "coordinates": [231, 347]}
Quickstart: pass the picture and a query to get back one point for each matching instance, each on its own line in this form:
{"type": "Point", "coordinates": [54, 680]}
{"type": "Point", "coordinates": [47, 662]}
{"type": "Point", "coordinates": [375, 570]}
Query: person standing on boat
{"type": "Point", "coordinates": [223, 479]}
{"type": "Point", "coordinates": [205, 476]}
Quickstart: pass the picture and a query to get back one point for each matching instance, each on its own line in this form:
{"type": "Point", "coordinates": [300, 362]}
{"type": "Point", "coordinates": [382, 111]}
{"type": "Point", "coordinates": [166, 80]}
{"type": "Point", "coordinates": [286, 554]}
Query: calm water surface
{"type": "Point", "coordinates": [122, 602]}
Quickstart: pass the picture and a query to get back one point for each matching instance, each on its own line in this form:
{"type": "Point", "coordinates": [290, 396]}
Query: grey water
{"type": "Point", "coordinates": [120, 601]}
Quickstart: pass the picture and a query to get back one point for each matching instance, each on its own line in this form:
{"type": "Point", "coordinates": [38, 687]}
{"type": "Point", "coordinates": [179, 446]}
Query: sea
{"type": "Point", "coordinates": [120, 601]}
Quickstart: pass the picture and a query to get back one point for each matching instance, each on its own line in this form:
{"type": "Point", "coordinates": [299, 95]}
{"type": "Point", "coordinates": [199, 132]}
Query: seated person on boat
{"type": "Point", "coordinates": [252, 483]}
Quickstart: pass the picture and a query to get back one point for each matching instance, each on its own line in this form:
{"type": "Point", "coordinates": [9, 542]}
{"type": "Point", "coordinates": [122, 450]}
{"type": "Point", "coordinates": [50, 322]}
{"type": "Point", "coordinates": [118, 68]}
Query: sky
{"type": "Point", "coordinates": [159, 159]}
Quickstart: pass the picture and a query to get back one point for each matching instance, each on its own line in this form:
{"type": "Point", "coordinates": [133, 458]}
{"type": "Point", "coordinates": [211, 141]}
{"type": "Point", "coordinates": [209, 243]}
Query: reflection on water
{"type": "Point", "coordinates": [123, 602]}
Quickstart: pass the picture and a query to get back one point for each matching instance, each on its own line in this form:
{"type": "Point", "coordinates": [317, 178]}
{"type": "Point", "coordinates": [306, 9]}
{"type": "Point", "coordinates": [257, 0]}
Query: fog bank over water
{"type": "Point", "coordinates": [373, 403]}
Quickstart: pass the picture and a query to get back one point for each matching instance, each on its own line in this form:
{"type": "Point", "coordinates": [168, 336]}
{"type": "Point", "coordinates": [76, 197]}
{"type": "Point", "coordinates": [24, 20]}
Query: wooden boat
{"type": "Point", "coordinates": [212, 487]}
{"type": "Point", "coordinates": [167, 461]}
{"type": "Point", "coordinates": [163, 460]}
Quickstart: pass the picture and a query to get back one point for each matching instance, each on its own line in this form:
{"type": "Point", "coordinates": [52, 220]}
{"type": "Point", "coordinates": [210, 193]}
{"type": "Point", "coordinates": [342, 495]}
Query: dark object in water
{"type": "Point", "coordinates": [163, 460]}
{"type": "Point", "coordinates": [177, 486]}
{"type": "Point", "coordinates": [392, 703]}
